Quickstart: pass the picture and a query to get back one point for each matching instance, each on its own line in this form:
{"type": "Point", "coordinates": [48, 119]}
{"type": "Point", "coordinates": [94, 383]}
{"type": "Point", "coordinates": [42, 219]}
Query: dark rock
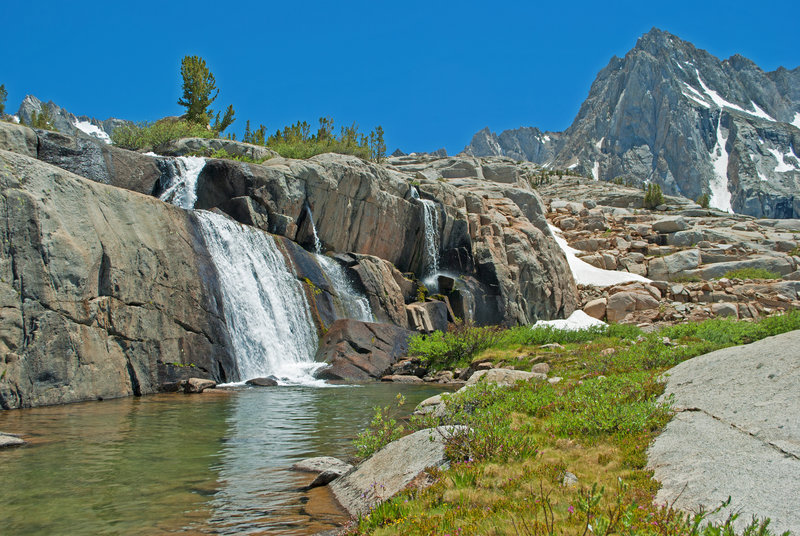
{"type": "Point", "coordinates": [355, 350]}
{"type": "Point", "coordinates": [197, 385]}
{"type": "Point", "coordinates": [263, 382]}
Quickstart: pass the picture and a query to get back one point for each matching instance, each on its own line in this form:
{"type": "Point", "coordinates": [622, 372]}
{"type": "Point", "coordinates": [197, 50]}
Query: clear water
{"type": "Point", "coordinates": [215, 463]}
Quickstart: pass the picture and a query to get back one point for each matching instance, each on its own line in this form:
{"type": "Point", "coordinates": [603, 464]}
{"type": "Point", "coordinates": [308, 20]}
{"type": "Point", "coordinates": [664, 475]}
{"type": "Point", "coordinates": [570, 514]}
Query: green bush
{"type": "Point", "coordinates": [3, 96]}
{"type": "Point", "coordinates": [703, 200]}
{"type": "Point", "coordinates": [382, 430]}
{"type": "Point", "coordinates": [653, 196]}
{"type": "Point", "coordinates": [150, 135]}
{"type": "Point", "coordinates": [457, 347]}
{"type": "Point", "coordinates": [752, 273]}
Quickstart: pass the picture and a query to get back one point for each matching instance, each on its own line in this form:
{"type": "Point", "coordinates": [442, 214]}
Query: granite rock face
{"type": "Point", "coordinates": [104, 291]}
{"type": "Point", "coordinates": [737, 433]}
{"type": "Point", "coordinates": [487, 225]}
{"type": "Point", "coordinates": [675, 115]}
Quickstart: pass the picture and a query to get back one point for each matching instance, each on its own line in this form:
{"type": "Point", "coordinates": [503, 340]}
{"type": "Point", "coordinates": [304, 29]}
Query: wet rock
{"type": "Point", "coordinates": [197, 385]}
{"type": "Point", "coordinates": [263, 382]}
{"type": "Point", "coordinates": [10, 440]}
{"type": "Point", "coordinates": [427, 317]}
{"type": "Point", "coordinates": [358, 351]}
{"type": "Point", "coordinates": [400, 378]}
{"type": "Point", "coordinates": [115, 283]}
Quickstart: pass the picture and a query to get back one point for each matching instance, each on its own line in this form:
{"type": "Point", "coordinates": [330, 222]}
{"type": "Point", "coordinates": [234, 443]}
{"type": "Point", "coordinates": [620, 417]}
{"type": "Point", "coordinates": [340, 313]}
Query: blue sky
{"type": "Point", "coordinates": [431, 73]}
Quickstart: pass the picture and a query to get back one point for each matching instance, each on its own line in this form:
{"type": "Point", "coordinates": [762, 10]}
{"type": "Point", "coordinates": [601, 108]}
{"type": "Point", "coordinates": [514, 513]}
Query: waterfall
{"type": "Point", "coordinates": [317, 242]}
{"type": "Point", "coordinates": [181, 190]}
{"type": "Point", "coordinates": [266, 312]}
{"type": "Point", "coordinates": [354, 303]}
{"type": "Point", "coordinates": [430, 214]}
{"type": "Point", "coordinates": [430, 220]}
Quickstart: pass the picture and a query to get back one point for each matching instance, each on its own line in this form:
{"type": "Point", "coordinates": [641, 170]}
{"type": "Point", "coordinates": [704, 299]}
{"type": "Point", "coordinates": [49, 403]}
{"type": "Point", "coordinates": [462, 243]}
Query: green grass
{"type": "Point", "coordinates": [223, 154]}
{"type": "Point", "coordinates": [752, 273]}
{"type": "Point", "coordinates": [150, 135]}
{"type": "Point", "coordinates": [507, 469]}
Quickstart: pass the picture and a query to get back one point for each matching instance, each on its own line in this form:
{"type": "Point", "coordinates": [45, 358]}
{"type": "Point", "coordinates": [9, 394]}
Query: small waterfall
{"type": "Point", "coordinates": [354, 303]}
{"type": "Point", "coordinates": [266, 311]}
{"type": "Point", "coordinates": [181, 190]}
{"type": "Point", "coordinates": [317, 241]}
{"type": "Point", "coordinates": [431, 220]}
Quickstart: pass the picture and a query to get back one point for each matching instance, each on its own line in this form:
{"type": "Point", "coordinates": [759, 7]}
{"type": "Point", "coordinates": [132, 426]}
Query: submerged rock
{"type": "Point", "coordinates": [10, 440]}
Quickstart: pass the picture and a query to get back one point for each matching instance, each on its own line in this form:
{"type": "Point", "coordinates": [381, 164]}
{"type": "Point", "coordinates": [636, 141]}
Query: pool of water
{"type": "Point", "coordinates": [215, 463]}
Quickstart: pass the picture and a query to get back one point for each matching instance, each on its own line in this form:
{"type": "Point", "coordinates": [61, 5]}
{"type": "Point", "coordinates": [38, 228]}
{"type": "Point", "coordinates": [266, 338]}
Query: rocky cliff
{"type": "Point", "coordinates": [68, 123]}
{"type": "Point", "coordinates": [676, 115]}
{"type": "Point", "coordinates": [110, 291]}
{"type": "Point", "coordinates": [105, 292]}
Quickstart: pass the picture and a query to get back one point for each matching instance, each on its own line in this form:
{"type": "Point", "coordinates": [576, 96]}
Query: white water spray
{"type": "Point", "coordinates": [182, 190]}
{"type": "Point", "coordinates": [354, 303]}
{"type": "Point", "coordinates": [265, 307]}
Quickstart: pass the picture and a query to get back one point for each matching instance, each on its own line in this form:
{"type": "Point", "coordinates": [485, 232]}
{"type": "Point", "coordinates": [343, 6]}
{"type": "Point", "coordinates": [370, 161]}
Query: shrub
{"type": "Point", "coordinates": [653, 196]}
{"type": "Point", "coordinates": [456, 347]}
{"type": "Point", "coordinates": [704, 200]}
{"type": "Point", "coordinates": [752, 273]}
{"type": "Point", "coordinates": [382, 430]}
{"type": "Point", "coordinates": [150, 135]}
{"type": "Point", "coordinates": [42, 120]}
{"type": "Point", "coordinates": [3, 97]}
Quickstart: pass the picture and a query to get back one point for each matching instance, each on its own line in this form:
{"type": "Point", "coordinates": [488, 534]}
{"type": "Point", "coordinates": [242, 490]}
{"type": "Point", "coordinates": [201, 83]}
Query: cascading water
{"type": "Point", "coordinates": [317, 241]}
{"type": "Point", "coordinates": [430, 220]}
{"type": "Point", "coordinates": [182, 188]}
{"type": "Point", "coordinates": [265, 307]}
{"type": "Point", "coordinates": [354, 303]}
{"type": "Point", "coordinates": [266, 313]}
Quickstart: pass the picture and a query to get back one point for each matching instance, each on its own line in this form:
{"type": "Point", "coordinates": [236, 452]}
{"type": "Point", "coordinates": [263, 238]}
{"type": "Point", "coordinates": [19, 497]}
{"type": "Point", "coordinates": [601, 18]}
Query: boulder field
{"type": "Point", "coordinates": [108, 291]}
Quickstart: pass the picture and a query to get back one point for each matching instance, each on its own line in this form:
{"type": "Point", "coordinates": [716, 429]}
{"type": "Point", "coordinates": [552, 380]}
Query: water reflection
{"type": "Point", "coordinates": [212, 463]}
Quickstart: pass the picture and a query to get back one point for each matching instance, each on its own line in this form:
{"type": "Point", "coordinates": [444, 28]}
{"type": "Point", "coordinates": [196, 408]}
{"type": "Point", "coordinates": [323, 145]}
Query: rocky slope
{"type": "Point", "coordinates": [685, 251]}
{"type": "Point", "coordinates": [673, 114]}
{"type": "Point", "coordinates": [122, 284]}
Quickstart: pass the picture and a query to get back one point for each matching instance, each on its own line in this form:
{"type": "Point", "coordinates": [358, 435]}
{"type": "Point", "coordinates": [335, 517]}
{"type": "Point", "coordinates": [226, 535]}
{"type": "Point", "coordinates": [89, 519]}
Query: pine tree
{"type": "Point", "coordinates": [199, 89]}
{"type": "Point", "coordinates": [3, 96]}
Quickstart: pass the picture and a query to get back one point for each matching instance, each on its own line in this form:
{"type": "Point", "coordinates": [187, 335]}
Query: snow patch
{"type": "Point", "coordinates": [596, 171]}
{"type": "Point", "coordinates": [573, 166]}
{"type": "Point", "coordinates": [577, 320]}
{"type": "Point", "coordinates": [599, 144]}
{"type": "Point", "coordinates": [796, 120]}
{"type": "Point", "coordinates": [586, 274]}
{"type": "Point", "coordinates": [720, 196]}
{"type": "Point", "coordinates": [15, 118]}
{"type": "Point", "coordinates": [761, 113]}
{"type": "Point", "coordinates": [547, 138]}
{"type": "Point", "coordinates": [721, 102]}
{"type": "Point", "coordinates": [782, 166]}
{"type": "Point", "coordinates": [93, 130]}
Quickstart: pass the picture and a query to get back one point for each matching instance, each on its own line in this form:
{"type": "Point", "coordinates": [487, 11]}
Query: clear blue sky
{"type": "Point", "coordinates": [432, 73]}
